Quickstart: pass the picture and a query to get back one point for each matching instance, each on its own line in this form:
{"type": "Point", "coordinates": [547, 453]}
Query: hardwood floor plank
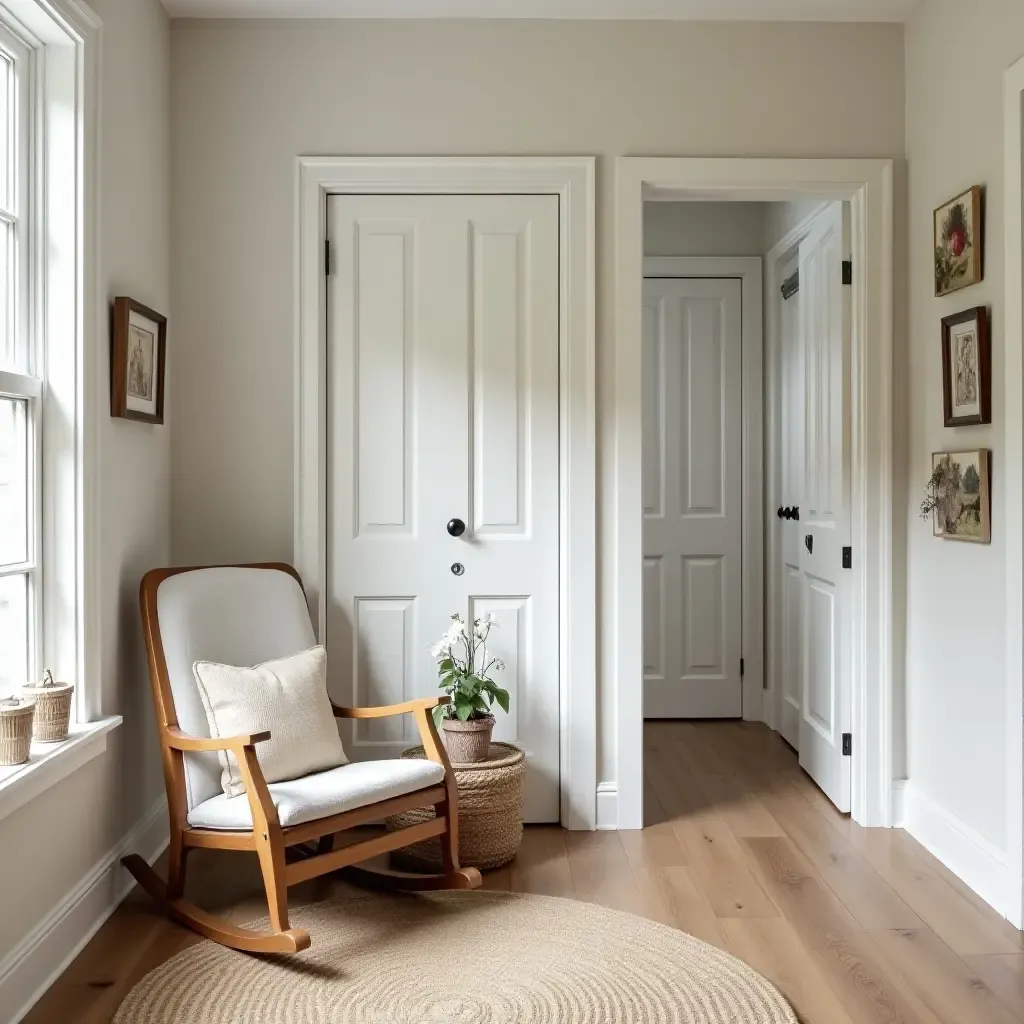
{"type": "Point", "coordinates": [656, 846]}
{"type": "Point", "coordinates": [542, 865]}
{"type": "Point", "coordinates": [673, 896]}
{"type": "Point", "coordinates": [953, 991]}
{"type": "Point", "coordinates": [771, 946]}
{"type": "Point", "coordinates": [842, 951]}
{"type": "Point", "coordinates": [964, 928]}
{"type": "Point", "coordinates": [872, 901]}
{"type": "Point", "coordinates": [1004, 975]}
{"type": "Point", "coordinates": [600, 871]}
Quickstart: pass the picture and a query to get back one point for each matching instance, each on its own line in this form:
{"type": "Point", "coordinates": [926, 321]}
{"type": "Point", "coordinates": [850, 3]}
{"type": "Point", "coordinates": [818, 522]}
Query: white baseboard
{"type": "Point", "coordinates": [899, 802]}
{"type": "Point", "coordinates": [607, 806]}
{"type": "Point", "coordinates": [40, 958]}
{"type": "Point", "coordinates": [979, 863]}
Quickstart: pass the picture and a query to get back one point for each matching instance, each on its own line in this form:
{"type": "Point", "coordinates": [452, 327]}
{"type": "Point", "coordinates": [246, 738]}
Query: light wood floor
{"type": "Point", "coordinates": [742, 850]}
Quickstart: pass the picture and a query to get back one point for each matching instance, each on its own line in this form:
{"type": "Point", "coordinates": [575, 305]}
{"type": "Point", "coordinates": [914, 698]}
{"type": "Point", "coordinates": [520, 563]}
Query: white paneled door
{"type": "Point", "coordinates": [692, 483]}
{"type": "Point", "coordinates": [823, 529]}
{"type": "Point", "coordinates": [443, 462]}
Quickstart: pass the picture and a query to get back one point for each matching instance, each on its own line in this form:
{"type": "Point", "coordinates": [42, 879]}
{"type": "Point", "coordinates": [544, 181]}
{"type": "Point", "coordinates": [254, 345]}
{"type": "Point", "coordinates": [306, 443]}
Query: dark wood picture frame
{"type": "Point", "coordinates": [123, 309]}
{"type": "Point", "coordinates": [972, 200]}
{"type": "Point", "coordinates": [978, 314]}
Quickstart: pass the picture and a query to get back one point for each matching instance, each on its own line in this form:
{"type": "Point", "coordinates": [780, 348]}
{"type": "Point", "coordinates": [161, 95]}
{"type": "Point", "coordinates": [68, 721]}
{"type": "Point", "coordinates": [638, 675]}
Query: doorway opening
{"type": "Point", "coordinates": [843, 534]}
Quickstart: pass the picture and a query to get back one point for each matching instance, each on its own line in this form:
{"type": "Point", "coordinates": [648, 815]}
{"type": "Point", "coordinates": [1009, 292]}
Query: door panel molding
{"type": "Point", "coordinates": [572, 179]}
{"type": "Point", "coordinates": [749, 271]}
{"type": "Point", "coordinates": [868, 186]}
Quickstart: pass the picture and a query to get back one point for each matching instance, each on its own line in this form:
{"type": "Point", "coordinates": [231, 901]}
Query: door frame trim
{"type": "Point", "coordinates": [1013, 486]}
{"type": "Point", "coordinates": [572, 179]}
{"type": "Point", "coordinates": [748, 271]}
{"type": "Point", "coordinates": [868, 186]}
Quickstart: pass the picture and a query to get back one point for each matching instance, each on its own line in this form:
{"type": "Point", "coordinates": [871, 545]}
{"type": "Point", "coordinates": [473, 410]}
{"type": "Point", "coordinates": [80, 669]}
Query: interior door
{"type": "Point", "coordinates": [824, 525]}
{"type": "Point", "coordinates": [792, 415]}
{"type": "Point", "coordinates": [692, 484]}
{"type": "Point", "coordinates": [442, 354]}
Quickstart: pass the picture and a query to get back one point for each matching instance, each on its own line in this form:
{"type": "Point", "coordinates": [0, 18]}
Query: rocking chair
{"type": "Point", "coordinates": [247, 615]}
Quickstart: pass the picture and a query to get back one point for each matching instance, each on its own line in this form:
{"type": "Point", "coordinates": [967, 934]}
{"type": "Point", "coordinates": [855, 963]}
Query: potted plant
{"type": "Point", "coordinates": [464, 665]}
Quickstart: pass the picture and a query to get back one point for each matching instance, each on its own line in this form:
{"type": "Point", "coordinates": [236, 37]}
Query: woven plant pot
{"type": "Point", "coordinates": [490, 813]}
{"type": "Point", "coordinates": [468, 742]}
{"type": "Point", "coordinates": [53, 709]}
{"type": "Point", "coordinates": [15, 730]}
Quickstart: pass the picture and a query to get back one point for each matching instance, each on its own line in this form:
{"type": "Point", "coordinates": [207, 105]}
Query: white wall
{"type": "Point", "coordinates": [956, 685]}
{"type": "Point", "coordinates": [704, 229]}
{"type": "Point", "coordinates": [48, 846]}
{"type": "Point", "coordinates": [248, 97]}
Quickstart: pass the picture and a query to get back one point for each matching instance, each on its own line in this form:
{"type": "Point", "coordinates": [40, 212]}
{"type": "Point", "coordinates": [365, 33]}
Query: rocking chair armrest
{"type": "Point", "coordinates": [409, 707]}
{"type": "Point", "coordinates": [179, 740]}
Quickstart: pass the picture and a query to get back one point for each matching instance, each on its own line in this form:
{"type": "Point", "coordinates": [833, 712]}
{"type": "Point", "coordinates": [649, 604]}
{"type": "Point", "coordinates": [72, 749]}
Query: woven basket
{"type": "Point", "coordinates": [53, 709]}
{"type": "Point", "coordinates": [15, 730]}
{"type": "Point", "coordinates": [490, 813]}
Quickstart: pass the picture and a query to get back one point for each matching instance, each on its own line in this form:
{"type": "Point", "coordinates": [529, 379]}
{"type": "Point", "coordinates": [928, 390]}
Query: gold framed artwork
{"type": "Point", "coordinates": [138, 356]}
{"type": "Point", "coordinates": [959, 496]}
{"type": "Point", "coordinates": [959, 245]}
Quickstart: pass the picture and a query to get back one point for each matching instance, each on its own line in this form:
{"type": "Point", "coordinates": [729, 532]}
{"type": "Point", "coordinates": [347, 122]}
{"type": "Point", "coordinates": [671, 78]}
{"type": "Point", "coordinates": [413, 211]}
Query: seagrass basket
{"type": "Point", "coordinates": [53, 709]}
{"type": "Point", "coordinates": [490, 813]}
{"type": "Point", "coordinates": [15, 729]}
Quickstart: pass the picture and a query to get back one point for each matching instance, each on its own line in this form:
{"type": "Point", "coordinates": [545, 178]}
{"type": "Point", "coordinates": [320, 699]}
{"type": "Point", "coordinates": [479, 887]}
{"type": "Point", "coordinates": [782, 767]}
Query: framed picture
{"type": "Point", "coordinates": [959, 249]}
{"type": "Point", "coordinates": [960, 493]}
{"type": "Point", "coordinates": [137, 359]}
{"type": "Point", "coordinates": [966, 368]}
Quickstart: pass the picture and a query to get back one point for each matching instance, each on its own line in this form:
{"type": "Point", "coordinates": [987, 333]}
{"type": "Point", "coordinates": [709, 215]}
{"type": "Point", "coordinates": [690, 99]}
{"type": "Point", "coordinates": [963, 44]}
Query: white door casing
{"type": "Point", "coordinates": [692, 492]}
{"type": "Point", "coordinates": [443, 356]}
{"type": "Point", "coordinates": [790, 590]}
{"type": "Point", "coordinates": [824, 526]}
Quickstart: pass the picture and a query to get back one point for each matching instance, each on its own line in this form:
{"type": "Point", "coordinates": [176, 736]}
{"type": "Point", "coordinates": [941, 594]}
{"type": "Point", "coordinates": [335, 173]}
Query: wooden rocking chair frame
{"type": "Point", "coordinates": [284, 856]}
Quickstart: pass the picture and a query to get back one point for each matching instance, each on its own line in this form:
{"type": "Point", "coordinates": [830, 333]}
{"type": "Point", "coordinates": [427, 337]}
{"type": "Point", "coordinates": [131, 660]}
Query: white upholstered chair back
{"type": "Point", "coordinates": [235, 616]}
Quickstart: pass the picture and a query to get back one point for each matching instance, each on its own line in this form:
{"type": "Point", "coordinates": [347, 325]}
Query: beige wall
{"type": "Point", "coordinates": [956, 685]}
{"type": "Point", "coordinates": [48, 846]}
{"type": "Point", "coordinates": [704, 229]}
{"type": "Point", "coordinates": [248, 97]}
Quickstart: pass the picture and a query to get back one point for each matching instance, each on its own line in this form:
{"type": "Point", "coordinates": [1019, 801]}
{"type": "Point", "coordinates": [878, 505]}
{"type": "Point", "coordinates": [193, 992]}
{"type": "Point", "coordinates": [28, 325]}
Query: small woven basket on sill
{"type": "Point", "coordinates": [490, 813]}
{"type": "Point", "coordinates": [15, 730]}
{"type": "Point", "coordinates": [53, 709]}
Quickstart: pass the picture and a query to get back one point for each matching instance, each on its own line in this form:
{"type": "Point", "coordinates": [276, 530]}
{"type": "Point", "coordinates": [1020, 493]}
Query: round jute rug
{"type": "Point", "coordinates": [462, 958]}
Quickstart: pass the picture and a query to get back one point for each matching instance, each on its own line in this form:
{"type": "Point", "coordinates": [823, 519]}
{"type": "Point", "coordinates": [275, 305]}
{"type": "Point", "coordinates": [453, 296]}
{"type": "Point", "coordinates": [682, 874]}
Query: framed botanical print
{"type": "Point", "coordinates": [959, 250]}
{"type": "Point", "coordinates": [137, 360]}
{"type": "Point", "coordinates": [966, 368]}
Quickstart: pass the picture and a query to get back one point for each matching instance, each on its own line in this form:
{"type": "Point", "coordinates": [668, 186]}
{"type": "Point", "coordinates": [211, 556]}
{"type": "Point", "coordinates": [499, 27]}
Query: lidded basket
{"type": "Point", "coordinates": [53, 708]}
{"type": "Point", "coordinates": [15, 729]}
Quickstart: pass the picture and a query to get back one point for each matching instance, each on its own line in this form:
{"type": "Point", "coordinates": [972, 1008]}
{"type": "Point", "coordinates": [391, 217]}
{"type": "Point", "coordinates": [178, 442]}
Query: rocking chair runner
{"type": "Point", "coordinates": [247, 615]}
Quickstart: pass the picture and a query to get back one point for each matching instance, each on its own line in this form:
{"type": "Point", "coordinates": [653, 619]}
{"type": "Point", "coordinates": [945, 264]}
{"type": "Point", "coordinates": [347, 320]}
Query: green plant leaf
{"type": "Point", "coordinates": [501, 696]}
{"type": "Point", "coordinates": [445, 666]}
{"type": "Point", "coordinates": [438, 713]}
{"type": "Point", "coordinates": [463, 711]}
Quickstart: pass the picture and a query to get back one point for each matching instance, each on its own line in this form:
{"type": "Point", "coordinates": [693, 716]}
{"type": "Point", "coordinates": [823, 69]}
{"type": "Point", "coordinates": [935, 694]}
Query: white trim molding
{"type": "Point", "coordinates": [36, 962]}
{"type": "Point", "coordinates": [1013, 486]}
{"type": "Point", "coordinates": [572, 180]}
{"type": "Point", "coordinates": [969, 855]}
{"type": "Point", "coordinates": [607, 807]}
{"type": "Point", "coordinates": [868, 186]}
{"type": "Point", "coordinates": [746, 269]}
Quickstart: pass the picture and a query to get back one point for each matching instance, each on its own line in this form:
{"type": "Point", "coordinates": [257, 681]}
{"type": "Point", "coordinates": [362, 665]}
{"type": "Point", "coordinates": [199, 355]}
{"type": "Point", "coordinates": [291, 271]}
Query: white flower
{"type": "Point", "coordinates": [441, 647]}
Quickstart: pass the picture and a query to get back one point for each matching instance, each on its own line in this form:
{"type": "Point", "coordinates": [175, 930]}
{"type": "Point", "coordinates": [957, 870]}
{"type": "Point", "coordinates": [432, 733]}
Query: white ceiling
{"type": "Point", "coordinates": [669, 10]}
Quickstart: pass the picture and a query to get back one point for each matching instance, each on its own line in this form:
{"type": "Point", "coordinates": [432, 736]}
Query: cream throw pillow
{"type": "Point", "coordinates": [289, 698]}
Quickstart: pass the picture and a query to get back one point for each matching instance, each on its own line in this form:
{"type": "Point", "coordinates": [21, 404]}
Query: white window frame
{"type": "Point", "coordinates": [69, 311]}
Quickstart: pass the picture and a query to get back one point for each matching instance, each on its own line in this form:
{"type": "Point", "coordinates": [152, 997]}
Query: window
{"type": "Point", "coordinates": [21, 385]}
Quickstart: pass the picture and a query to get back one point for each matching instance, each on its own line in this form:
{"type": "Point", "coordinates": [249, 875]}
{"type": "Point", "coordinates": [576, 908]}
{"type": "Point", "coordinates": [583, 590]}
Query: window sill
{"type": "Point", "coordinates": [51, 762]}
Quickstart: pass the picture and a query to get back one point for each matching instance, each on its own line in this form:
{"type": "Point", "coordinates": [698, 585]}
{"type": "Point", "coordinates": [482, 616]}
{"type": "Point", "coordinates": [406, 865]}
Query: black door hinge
{"type": "Point", "coordinates": [847, 271]}
{"type": "Point", "coordinates": [327, 258]}
{"type": "Point", "coordinates": [743, 666]}
{"type": "Point", "coordinates": [847, 558]}
{"type": "Point", "coordinates": [847, 744]}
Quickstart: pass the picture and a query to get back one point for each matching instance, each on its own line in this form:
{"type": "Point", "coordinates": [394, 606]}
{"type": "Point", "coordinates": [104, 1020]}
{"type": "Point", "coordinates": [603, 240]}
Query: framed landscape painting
{"type": "Point", "coordinates": [966, 368]}
{"type": "Point", "coordinates": [137, 359]}
{"type": "Point", "coordinates": [958, 242]}
{"type": "Point", "coordinates": [962, 508]}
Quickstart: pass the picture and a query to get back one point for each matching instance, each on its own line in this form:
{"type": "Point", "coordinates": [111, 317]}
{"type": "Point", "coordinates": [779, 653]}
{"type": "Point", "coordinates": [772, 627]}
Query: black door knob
{"type": "Point", "coordinates": [456, 527]}
{"type": "Point", "coordinates": [795, 510]}
{"type": "Point", "coordinates": [787, 513]}
{"type": "Point", "coordinates": [781, 513]}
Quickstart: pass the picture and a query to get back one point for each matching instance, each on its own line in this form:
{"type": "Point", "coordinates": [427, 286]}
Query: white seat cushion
{"type": "Point", "coordinates": [323, 794]}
